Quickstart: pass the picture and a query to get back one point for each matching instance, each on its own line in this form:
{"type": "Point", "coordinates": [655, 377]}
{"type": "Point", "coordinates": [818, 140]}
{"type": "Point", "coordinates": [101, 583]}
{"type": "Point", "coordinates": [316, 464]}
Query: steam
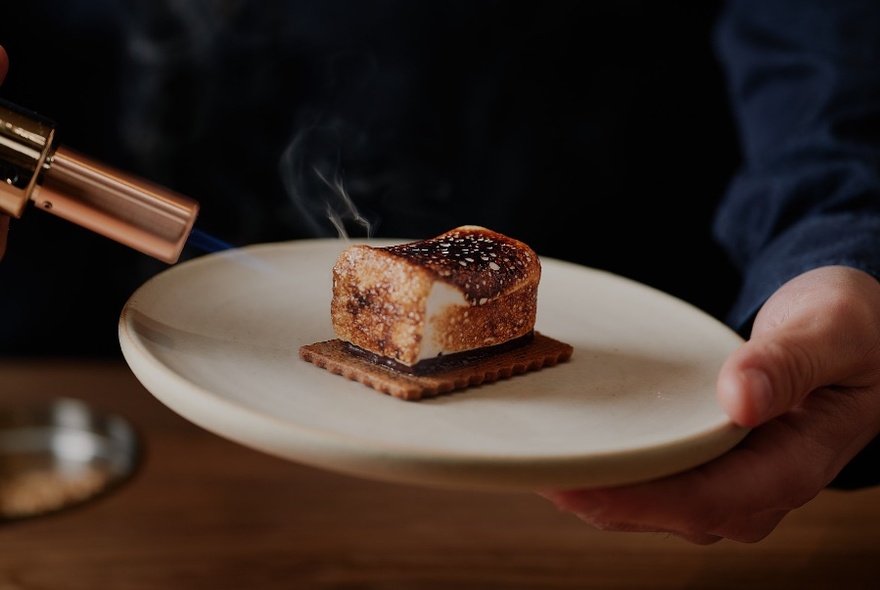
{"type": "Point", "coordinates": [225, 59]}
{"type": "Point", "coordinates": [311, 168]}
{"type": "Point", "coordinates": [348, 210]}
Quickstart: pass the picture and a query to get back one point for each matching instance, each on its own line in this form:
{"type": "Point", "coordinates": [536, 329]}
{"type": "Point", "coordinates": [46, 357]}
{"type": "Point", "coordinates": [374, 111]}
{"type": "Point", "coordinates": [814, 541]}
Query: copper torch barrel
{"type": "Point", "coordinates": [122, 207]}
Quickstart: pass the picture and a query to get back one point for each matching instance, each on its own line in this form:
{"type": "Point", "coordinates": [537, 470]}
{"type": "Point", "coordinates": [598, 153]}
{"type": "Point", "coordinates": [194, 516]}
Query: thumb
{"type": "Point", "coordinates": [817, 330]}
{"type": "Point", "coordinates": [764, 378]}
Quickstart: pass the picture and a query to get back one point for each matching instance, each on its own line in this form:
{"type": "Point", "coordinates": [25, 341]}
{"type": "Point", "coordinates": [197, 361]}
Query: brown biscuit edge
{"type": "Point", "coordinates": [333, 356]}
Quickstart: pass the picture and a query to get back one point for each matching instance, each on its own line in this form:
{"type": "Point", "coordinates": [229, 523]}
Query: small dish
{"type": "Point", "coordinates": [60, 453]}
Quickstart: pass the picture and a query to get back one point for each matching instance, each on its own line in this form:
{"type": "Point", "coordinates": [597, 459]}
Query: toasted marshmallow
{"type": "Point", "coordinates": [466, 289]}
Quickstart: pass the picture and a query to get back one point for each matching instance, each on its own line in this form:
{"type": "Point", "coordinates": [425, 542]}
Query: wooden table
{"type": "Point", "coordinates": [202, 512]}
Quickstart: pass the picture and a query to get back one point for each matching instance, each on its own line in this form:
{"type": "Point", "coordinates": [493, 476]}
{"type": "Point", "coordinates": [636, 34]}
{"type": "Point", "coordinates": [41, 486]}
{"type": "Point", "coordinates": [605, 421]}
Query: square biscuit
{"type": "Point", "coordinates": [334, 356]}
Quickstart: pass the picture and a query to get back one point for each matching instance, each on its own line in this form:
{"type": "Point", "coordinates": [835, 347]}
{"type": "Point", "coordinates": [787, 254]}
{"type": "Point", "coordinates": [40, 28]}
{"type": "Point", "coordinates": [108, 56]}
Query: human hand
{"type": "Point", "coordinates": [808, 381]}
{"type": "Point", "coordinates": [4, 219]}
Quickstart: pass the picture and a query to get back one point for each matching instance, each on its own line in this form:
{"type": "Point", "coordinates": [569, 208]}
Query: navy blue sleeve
{"type": "Point", "coordinates": [804, 79]}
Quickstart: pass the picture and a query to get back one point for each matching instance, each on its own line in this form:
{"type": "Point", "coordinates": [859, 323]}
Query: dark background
{"type": "Point", "coordinates": [596, 132]}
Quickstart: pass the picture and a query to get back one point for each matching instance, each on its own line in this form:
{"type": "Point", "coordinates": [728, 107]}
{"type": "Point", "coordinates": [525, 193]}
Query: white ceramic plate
{"type": "Point", "coordinates": [216, 339]}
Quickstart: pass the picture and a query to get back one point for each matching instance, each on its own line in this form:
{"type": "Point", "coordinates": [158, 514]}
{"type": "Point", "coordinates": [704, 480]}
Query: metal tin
{"type": "Point", "coordinates": [60, 453]}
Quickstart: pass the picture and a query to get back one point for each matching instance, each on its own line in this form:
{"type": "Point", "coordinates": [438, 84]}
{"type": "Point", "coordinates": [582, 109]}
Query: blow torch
{"type": "Point", "coordinates": [130, 210]}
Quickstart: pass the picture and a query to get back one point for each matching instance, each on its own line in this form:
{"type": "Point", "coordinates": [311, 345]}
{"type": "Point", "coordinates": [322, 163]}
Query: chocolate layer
{"type": "Point", "coordinates": [443, 362]}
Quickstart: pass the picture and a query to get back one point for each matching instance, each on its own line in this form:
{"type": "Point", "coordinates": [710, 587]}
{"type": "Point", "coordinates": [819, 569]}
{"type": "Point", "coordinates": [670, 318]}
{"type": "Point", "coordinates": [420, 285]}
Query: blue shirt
{"type": "Point", "coordinates": [804, 83]}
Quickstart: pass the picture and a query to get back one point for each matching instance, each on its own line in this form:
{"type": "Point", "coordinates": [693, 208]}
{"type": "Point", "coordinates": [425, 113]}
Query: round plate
{"type": "Point", "coordinates": [216, 339]}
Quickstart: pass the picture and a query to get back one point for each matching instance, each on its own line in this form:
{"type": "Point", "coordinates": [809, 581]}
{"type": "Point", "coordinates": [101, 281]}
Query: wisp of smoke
{"type": "Point", "coordinates": [311, 171]}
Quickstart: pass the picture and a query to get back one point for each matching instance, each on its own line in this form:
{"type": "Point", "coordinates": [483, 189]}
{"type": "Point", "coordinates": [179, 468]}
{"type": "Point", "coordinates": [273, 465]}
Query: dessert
{"type": "Point", "coordinates": [427, 317]}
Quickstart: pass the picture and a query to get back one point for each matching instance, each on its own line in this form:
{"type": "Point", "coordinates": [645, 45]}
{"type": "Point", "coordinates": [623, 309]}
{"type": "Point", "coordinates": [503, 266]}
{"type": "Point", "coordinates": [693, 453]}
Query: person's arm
{"type": "Point", "coordinates": [802, 221]}
{"type": "Point", "coordinates": [804, 87]}
{"type": "Point", "coordinates": [803, 82]}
